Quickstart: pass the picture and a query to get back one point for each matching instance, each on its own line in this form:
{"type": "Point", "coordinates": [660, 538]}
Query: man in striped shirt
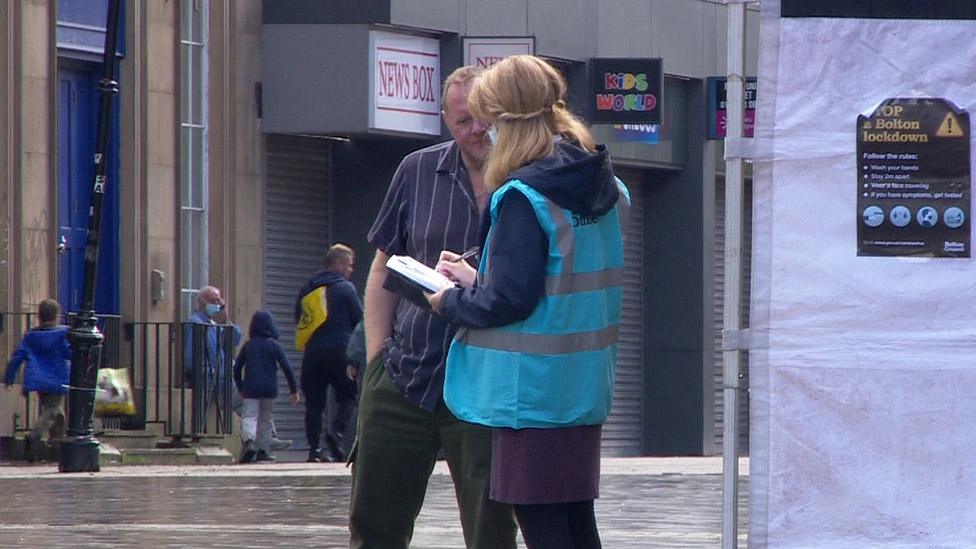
{"type": "Point", "coordinates": [434, 203]}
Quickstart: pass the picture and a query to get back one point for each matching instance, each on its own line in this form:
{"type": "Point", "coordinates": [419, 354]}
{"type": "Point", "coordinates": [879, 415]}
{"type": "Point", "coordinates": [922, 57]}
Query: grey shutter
{"type": "Point", "coordinates": [296, 237]}
{"type": "Point", "coordinates": [622, 431]}
{"type": "Point", "coordinates": [719, 285]}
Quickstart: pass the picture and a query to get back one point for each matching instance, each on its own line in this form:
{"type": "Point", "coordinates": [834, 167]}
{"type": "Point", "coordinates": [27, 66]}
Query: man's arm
{"type": "Point", "coordinates": [380, 306]}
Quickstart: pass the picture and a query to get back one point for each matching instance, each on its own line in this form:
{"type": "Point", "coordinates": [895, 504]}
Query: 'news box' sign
{"type": "Point", "coordinates": [404, 82]}
{"type": "Point", "coordinates": [486, 51]}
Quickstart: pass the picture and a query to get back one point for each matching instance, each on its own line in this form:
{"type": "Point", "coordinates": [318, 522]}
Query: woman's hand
{"type": "Point", "coordinates": [458, 270]}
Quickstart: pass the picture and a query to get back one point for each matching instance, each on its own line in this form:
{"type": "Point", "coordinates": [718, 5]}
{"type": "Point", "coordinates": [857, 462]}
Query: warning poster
{"type": "Point", "coordinates": [913, 179]}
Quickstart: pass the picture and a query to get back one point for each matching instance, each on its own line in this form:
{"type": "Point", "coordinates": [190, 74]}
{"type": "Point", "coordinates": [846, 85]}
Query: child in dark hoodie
{"type": "Point", "coordinates": [47, 354]}
{"type": "Point", "coordinates": [258, 361]}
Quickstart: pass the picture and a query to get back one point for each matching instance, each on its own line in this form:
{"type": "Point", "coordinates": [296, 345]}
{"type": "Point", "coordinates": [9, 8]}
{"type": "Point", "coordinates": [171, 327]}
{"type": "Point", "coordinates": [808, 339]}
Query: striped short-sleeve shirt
{"type": "Point", "coordinates": [430, 206]}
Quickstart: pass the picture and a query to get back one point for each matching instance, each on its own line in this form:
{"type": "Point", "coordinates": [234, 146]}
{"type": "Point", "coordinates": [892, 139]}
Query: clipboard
{"type": "Point", "coordinates": [411, 279]}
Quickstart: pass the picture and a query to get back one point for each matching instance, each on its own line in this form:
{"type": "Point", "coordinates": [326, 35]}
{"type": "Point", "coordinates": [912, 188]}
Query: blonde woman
{"type": "Point", "coordinates": [535, 355]}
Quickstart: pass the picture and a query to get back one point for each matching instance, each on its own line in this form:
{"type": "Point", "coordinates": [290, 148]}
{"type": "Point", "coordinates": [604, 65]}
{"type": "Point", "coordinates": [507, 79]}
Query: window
{"type": "Point", "coordinates": [194, 254]}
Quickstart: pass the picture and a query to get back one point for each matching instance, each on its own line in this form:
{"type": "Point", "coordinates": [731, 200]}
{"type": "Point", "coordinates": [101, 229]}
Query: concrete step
{"type": "Point", "coordinates": [108, 454]}
{"type": "Point", "coordinates": [15, 448]}
{"type": "Point", "coordinates": [195, 455]}
{"type": "Point", "coordinates": [214, 455]}
{"type": "Point", "coordinates": [49, 451]}
{"type": "Point", "coordinates": [159, 456]}
{"type": "Point", "coordinates": [125, 440]}
{"type": "Point", "coordinates": [128, 448]}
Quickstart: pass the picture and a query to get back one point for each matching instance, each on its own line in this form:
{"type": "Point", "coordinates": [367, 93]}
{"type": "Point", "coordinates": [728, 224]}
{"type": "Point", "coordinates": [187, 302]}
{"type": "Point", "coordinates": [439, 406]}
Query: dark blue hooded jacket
{"type": "Point", "coordinates": [48, 358]}
{"type": "Point", "coordinates": [259, 360]}
{"type": "Point", "coordinates": [574, 179]}
{"type": "Point", "coordinates": [344, 312]}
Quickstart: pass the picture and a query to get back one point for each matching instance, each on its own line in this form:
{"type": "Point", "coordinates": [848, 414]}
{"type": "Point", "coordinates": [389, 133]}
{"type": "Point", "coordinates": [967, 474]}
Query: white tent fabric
{"type": "Point", "coordinates": [863, 369]}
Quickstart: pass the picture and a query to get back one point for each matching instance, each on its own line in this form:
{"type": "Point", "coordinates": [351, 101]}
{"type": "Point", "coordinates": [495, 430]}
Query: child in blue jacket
{"type": "Point", "coordinates": [258, 361]}
{"type": "Point", "coordinates": [47, 354]}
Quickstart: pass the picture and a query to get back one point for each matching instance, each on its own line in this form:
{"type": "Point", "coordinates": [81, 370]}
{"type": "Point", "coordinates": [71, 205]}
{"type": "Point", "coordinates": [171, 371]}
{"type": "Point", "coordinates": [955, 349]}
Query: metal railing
{"type": "Point", "coordinates": [181, 372]}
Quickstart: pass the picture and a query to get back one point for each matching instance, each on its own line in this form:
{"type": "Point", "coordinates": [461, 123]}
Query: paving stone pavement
{"type": "Point", "coordinates": [645, 503]}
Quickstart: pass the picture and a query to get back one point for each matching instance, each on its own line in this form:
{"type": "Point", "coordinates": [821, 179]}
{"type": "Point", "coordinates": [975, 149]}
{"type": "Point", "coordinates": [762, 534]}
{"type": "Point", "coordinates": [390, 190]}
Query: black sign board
{"type": "Point", "coordinates": [626, 91]}
{"type": "Point", "coordinates": [880, 9]}
{"type": "Point", "coordinates": [718, 110]}
{"type": "Point", "coordinates": [913, 179]}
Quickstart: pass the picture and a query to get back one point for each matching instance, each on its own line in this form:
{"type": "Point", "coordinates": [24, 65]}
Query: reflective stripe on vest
{"type": "Point", "coordinates": [584, 282]}
{"type": "Point", "coordinates": [543, 344]}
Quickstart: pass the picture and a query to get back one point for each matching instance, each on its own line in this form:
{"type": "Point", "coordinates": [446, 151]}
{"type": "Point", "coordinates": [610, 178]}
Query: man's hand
{"type": "Point", "coordinates": [351, 372]}
{"type": "Point", "coordinates": [221, 316]}
{"type": "Point", "coordinates": [295, 398]}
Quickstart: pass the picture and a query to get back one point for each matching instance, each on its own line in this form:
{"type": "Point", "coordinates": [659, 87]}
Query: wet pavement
{"type": "Point", "coordinates": [645, 503]}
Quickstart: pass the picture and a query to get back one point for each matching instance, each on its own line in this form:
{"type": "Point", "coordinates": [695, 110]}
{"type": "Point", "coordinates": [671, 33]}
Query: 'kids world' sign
{"type": "Point", "coordinates": [626, 90]}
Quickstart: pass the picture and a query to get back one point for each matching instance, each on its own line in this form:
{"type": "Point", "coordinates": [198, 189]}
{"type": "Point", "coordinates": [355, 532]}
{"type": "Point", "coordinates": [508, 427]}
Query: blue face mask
{"type": "Point", "coordinates": [212, 309]}
{"type": "Point", "coordinates": [492, 135]}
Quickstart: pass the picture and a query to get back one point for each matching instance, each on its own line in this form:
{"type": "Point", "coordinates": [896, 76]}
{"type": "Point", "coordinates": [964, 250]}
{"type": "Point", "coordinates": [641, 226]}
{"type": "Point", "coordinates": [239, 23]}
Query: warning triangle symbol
{"type": "Point", "coordinates": [950, 127]}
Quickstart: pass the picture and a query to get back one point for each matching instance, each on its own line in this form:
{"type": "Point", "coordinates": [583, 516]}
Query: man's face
{"type": "Point", "coordinates": [467, 132]}
{"type": "Point", "coordinates": [346, 268]}
{"type": "Point", "coordinates": [211, 297]}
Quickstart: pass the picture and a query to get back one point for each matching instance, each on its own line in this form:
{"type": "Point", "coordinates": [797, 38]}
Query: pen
{"type": "Point", "coordinates": [469, 253]}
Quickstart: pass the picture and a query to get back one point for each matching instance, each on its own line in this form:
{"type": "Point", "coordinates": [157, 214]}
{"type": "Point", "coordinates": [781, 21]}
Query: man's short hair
{"type": "Point", "coordinates": [49, 310]}
{"type": "Point", "coordinates": [338, 253]}
{"type": "Point", "coordinates": [460, 77]}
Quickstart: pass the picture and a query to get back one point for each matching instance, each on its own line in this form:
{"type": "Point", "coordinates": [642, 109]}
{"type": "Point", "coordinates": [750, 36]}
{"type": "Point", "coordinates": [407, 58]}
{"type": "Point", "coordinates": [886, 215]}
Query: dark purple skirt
{"type": "Point", "coordinates": [533, 466]}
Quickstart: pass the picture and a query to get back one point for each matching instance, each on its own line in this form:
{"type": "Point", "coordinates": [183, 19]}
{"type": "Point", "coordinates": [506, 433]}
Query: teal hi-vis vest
{"type": "Point", "coordinates": [556, 367]}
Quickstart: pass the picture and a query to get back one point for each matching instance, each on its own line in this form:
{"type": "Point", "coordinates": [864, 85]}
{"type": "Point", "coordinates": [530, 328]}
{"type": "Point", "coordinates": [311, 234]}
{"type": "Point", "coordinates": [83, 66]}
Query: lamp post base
{"type": "Point", "coordinates": [79, 455]}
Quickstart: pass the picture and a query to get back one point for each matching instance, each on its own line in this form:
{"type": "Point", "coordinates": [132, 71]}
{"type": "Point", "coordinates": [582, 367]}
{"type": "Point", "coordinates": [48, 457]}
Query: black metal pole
{"type": "Point", "coordinates": [79, 450]}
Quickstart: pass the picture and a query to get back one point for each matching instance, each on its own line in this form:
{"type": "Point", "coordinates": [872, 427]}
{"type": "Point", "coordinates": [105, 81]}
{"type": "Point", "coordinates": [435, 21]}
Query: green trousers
{"type": "Point", "coordinates": [396, 447]}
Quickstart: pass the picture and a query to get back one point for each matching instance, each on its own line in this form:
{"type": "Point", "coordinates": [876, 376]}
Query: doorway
{"type": "Point", "coordinates": [78, 104]}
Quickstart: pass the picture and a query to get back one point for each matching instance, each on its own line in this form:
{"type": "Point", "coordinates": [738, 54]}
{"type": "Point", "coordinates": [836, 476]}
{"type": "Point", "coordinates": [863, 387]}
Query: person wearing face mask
{"type": "Point", "coordinates": [211, 311]}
